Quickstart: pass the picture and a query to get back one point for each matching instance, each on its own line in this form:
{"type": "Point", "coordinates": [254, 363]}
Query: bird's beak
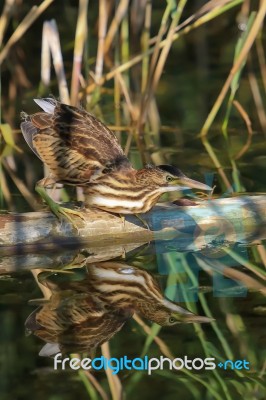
{"type": "Point", "coordinates": [190, 318]}
{"type": "Point", "coordinates": [187, 183]}
{"type": "Point", "coordinates": [184, 316]}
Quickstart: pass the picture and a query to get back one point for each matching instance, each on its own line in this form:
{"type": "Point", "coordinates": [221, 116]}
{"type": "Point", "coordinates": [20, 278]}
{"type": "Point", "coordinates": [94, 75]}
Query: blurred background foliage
{"type": "Point", "coordinates": [159, 105]}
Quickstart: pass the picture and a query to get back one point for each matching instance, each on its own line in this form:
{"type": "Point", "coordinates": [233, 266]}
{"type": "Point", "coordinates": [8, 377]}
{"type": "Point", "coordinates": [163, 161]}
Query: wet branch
{"type": "Point", "coordinates": [236, 219]}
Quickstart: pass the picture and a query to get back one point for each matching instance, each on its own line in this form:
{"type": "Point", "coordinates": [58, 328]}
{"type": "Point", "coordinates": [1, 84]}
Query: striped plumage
{"type": "Point", "coordinates": [75, 322]}
{"type": "Point", "coordinates": [81, 315]}
{"type": "Point", "coordinates": [125, 286]}
{"type": "Point", "coordinates": [80, 150]}
{"type": "Point", "coordinates": [76, 147]}
{"type": "Point", "coordinates": [124, 194]}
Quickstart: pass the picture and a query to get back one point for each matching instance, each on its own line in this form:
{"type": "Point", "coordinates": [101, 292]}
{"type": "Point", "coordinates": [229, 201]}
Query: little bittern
{"type": "Point", "coordinates": [80, 315]}
{"type": "Point", "coordinates": [79, 150]}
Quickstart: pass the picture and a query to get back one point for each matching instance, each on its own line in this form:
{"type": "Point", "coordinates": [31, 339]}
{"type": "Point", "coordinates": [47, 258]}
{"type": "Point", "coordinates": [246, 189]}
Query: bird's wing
{"type": "Point", "coordinates": [70, 139]}
{"type": "Point", "coordinates": [48, 105]}
{"type": "Point", "coordinates": [29, 130]}
{"type": "Point", "coordinates": [88, 136]}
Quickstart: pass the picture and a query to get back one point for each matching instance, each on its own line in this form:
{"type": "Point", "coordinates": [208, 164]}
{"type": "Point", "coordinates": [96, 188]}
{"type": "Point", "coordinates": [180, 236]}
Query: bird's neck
{"type": "Point", "coordinates": [122, 193]}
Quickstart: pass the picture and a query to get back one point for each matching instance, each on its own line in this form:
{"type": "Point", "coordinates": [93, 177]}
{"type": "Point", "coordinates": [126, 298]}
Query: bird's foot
{"type": "Point", "coordinates": [59, 211]}
{"type": "Point", "coordinates": [63, 212]}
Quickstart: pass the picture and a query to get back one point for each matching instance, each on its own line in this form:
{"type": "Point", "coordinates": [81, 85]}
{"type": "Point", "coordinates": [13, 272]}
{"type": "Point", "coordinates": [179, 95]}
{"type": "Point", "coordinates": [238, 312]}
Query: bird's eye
{"type": "Point", "coordinates": [172, 320]}
{"type": "Point", "coordinates": [169, 178]}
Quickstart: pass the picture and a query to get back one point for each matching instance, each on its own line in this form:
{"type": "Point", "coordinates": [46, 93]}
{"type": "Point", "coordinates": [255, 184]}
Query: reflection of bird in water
{"type": "Point", "coordinates": [79, 150]}
{"type": "Point", "coordinates": [81, 315]}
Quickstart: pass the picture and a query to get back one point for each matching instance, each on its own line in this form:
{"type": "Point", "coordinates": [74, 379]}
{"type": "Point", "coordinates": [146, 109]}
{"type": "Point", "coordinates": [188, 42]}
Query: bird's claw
{"type": "Point", "coordinates": [58, 210]}
{"type": "Point", "coordinates": [63, 211]}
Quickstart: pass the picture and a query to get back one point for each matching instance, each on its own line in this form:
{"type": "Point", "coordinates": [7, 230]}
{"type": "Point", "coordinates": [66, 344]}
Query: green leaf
{"type": "Point", "coordinates": [7, 134]}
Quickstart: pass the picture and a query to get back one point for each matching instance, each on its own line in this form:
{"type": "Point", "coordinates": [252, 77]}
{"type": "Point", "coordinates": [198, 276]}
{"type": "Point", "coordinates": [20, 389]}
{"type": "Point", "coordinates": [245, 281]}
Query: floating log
{"type": "Point", "coordinates": [103, 236]}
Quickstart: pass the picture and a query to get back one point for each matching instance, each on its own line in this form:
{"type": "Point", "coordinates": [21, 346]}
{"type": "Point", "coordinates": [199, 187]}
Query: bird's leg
{"type": "Point", "coordinates": [56, 209]}
{"type": "Point", "coordinates": [123, 218]}
{"type": "Point", "coordinates": [146, 225]}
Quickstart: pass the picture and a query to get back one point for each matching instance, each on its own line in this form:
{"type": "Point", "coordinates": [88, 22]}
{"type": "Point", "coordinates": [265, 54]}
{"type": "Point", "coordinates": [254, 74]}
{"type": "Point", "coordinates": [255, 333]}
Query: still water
{"type": "Point", "coordinates": [137, 300]}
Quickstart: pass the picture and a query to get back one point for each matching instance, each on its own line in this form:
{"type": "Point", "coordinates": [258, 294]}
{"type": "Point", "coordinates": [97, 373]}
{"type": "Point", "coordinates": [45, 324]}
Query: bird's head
{"type": "Point", "coordinates": [167, 313]}
{"type": "Point", "coordinates": [168, 178]}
